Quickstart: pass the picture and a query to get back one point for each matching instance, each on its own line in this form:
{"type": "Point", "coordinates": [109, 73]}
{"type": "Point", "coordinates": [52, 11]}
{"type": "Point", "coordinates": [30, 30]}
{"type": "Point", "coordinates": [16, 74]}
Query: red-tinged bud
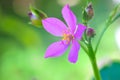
{"type": "Point", "coordinates": [88, 13]}
{"type": "Point", "coordinates": [89, 10]}
{"type": "Point", "coordinates": [90, 32]}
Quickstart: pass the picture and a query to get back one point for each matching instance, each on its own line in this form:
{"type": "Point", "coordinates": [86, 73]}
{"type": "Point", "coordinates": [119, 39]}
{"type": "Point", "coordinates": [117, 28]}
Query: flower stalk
{"type": "Point", "coordinates": [92, 56]}
{"type": "Point", "coordinates": [88, 35]}
{"type": "Point", "coordinates": [93, 61]}
{"type": "Point", "coordinates": [95, 69]}
{"type": "Point", "coordinates": [112, 18]}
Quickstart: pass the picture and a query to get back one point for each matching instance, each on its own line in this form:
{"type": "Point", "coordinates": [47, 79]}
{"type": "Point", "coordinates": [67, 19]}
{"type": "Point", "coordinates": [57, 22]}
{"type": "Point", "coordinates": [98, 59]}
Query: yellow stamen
{"type": "Point", "coordinates": [67, 37]}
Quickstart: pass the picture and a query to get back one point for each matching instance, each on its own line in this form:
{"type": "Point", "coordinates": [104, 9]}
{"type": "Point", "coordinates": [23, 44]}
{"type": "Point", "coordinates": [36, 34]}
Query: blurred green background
{"type": "Point", "coordinates": [22, 46]}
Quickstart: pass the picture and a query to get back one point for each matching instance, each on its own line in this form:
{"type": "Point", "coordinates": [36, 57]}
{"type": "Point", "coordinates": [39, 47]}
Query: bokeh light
{"type": "Point", "coordinates": [117, 36]}
{"type": "Point", "coordinates": [70, 2]}
{"type": "Point", "coordinates": [21, 7]}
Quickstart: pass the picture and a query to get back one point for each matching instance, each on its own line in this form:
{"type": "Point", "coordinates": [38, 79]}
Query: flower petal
{"type": "Point", "coordinates": [79, 31]}
{"type": "Point", "coordinates": [73, 55]}
{"type": "Point", "coordinates": [54, 26]}
{"type": "Point", "coordinates": [56, 49]}
{"type": "Point", "coordinates": [69, 17]}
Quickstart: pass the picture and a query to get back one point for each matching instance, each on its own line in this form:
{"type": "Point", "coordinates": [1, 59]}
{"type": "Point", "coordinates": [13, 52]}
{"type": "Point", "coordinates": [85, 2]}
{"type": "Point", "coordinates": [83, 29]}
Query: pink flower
{"type": "Point", "coordinates": [70, 35]}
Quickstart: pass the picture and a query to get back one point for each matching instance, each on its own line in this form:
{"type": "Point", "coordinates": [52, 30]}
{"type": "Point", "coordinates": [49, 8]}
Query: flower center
{"type": "Point", "coordinates": [67, 37]}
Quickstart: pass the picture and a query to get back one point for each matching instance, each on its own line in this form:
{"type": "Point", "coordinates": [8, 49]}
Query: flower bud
{"type": "Point", "coordinates": [88, 13]}
{"type": "Point", "coordinates": [36, 16]}
{"type": "Point", "coordinates": [89, 10]}
{"type": "Point", "coordinates": [90, 32]}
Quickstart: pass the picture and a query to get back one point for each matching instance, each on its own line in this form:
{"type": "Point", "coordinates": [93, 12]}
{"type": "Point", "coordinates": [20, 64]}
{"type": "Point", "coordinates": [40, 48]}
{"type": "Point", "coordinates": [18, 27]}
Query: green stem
{"type": "Point", "coordinates": [118, 16]}
{"type": "Point", "coordinates": [100, 38]}
{"type": "Point", "coordinates": [90, 52]}
{"type": "Point", "coordinates": [95, 69]}
{"type": "Point", "coordinates": [103, 31]}
{"type": "Point", "coordinates": [93, 61]}
{"type": "Point", "coordinates": [83, 47]}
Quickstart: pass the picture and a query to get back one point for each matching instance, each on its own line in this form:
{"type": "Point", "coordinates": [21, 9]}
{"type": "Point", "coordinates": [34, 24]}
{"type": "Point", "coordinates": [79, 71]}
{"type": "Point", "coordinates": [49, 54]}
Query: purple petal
{"type": "Point", "coordinates": [79, 31]}
{"type": "Point", "coordinates": [56, 49]}
{"type": "Point", "coordinates": [69, 17]}
{"type": "Point", "coordinates": [54, 26]}
{"type": "Point", "coordinates": [73, 55]}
